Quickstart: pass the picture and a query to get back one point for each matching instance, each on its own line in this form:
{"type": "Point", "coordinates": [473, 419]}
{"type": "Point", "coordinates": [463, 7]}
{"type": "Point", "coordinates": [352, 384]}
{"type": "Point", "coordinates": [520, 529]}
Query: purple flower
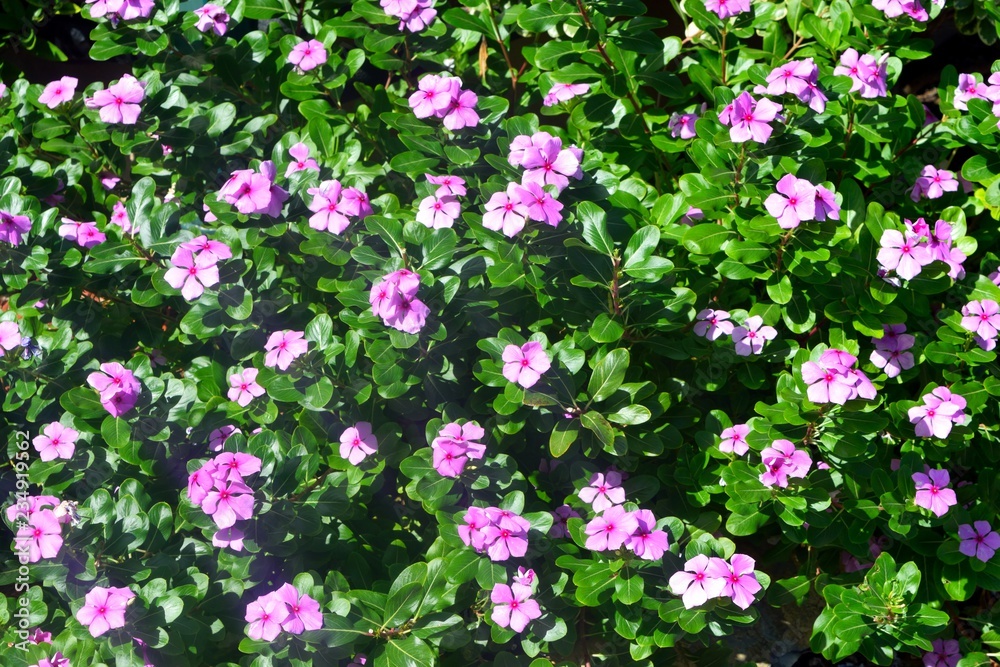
{"type": "Point", "coordinates": [439, 212]}
{"type": "Point", "coordinates": [303, 611]}
{"type": "Point", "coordinates": [941, 409]}
{"type": "Point", "coordinates": [228, 501]}
{"type": "Point", "coordinates": [978, 540]}
{"type": "Point", "coordinates": [212, 17]}
{"type": "Point", "coordinates": [931, 491]}
{"type": "Point", "coordinates": [695, 584]}
{"type": "Point", "coordinates": [40, 537]}
{"type": "Point", "coordinates": [944, 653]}
{"type": "Point", "coordinates": [300, 160]}
{"type": "Point", "coordinates": [727, 8]}
{"type": "Point", "coordinates": [120, 102]}
{"type": "Point", "coordinates": [104, 609]}
{"type": "Point", "coordinates": [513, 606]}
{"type": "Point", "coordinates": [751, 336]}
{"type": "Point", "coordinates": [118, 387]}
{"type": "Point", "coordinates": [647, 542]}
{"type": "Point", "coordinates": [307, 55]}
{"type": "Point", "coordinates": [243, 387]}
{"type": "Point", "coordinates": [561, 92]}
{"type": "Point", "coordinates": [58, 92]}
{"type": "Point", "coordinates": [542, 206]}
{"type": "Point", "coordinates": [603, 491]}
{"type": "Point", "coordinates": [13, 228]}
{"type": "Point", "coordinates": [713, 324]}
{"type": "Point", "coordinates": [748, 117]}
{"type": "Point", "coordinates": [933, 183]}
{"type": "Point", "coordinates": [560, 517]}
{"type": "Point", "coordinates": [505, 212]}
{"type": "Point", "coordinates": [739, 581]}
{"type": "Point", "coordinates": [682, 125]}
{"type": "Point", "coordinates": [906, 256]}
{"type": "Point", "coordinates": [797, 205]}
{"type": "Point", "coordinates": [826, 204]}
{"type": "Point", "coordinates": [231, 538]}
{"type": "Point", "coordinates": [283, 347]}
{"type": "Point", "coordinates": [218, 437]}
{"type": "Point", "coordinates": [265, 616]}
{"type": "Point", "coordinates": [56, 442]}
{"type": "Point", "coordinates": [525, 364]}
{"type": "Point", "coordinates": [358, 443]}
{"type": "Point", "coordinates": [610, 530]}
{"type": "Point", "coordinates": [191, 274]}
{"type": "Point", "coordinates": [734, 439]}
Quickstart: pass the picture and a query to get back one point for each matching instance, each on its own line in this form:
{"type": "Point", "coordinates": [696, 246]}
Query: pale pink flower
{"type": "Point", "coordinates": [202, 244]}
{"type": "Point", "coordinates": [190, 274]}
{"type": "Point", "coordinates": [933, 183]}
{"type": "Point", "coordinates": [228, 501]}
{"type": "Point", "coordinates": [525, 364]}
{"type": "Point", "coordinates": [119, 218]}
{"type": "Point", "coordinates": [734, 439]}
{"type": "Point", "coordinates": [56, 442]}
{"type": "Point", "coordinates": [461, 110]}
{"type": "Point", "coordinates": [610, 530]}
{"type": "Point", "coordinates": [300, 160]}
{"type": "Point", "coordinates": [931, 492]}
{"type": "Point", "coordinates": [283, 347]}
{"type": "Point", "coordinates": [438, 212]}
{"type": "Point", "coordinates": [358, 443]}
{"type": "Point", "coordinates": [10, 336]}
{"type": "Point", "coordinates": [40, 537]}
{"type": "Point", "coordinates": [604, 491]}
{"type": "Point", "coordinates": [695, 584]}
{"type": "Point", "coordinates": [104, 609]}
{"type": "Point", "coordinates": [505, 212]}
{"type": "Point", "coordinates": [433, 96]}
{"type": "Point", "coordinates": [513, 606]}
{"type": "Point", "coordinates": [243, 387]}
{"type": "Point", "coordinates": [739, 581]}
{"type": "Point", "coordinates": [307, 55]}
{"type": "Point", "coordinates": [561, 92]}
{"type": "Point", "coordinates": [85, 234]}
{"type": "Point", "coordinates": [727, 8]}
{"type": "Point", "coordinates": [58, 92]}
{"type": "Point", "coordinates": [447, 185]}
{"type": "Point", "coordinates": [265, 616]}
{"type": "Point", "coordinates": [647, 542]}
{"type": "Point", "coordinates": [904, 255]}
{"type": "Point", "coordinates": [119, 103]}
{"type": "Point", "coordinates": [796, 206]}
{"type": "Point", "coordinates": [751, 336]}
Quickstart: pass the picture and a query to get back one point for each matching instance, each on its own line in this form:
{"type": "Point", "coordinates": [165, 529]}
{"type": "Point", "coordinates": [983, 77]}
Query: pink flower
{"type": "Point", "coordinates": [433, 96]}
{"type": "Point", "coordinates": [38, 636]}
{"type": "Point", "coordinates": [231, 538]}
{"type": "Point", "coordinates": [10, 336]}
{"type": "Point", "coordinates": [120, 102]}
{"type": "Point", "coordinates": [749, 117]}
{"type": "Point", "coordinates": [695, 584]}
{"type": "Point", "coordinates": [56, 442]}
{"type": "Point", "coordinates": [502, 542]}
{"type": "Point", "coordinates": [113, 379]}
{"type": "Point", "coordinates": [414, 15]}
{"type": "Point", "coordinates": [826, 204]}
{"type": "Point", "coordinates": [201, 481]}
{"type": "Point", "coordinates": [610, 530]}
{"type": "Point", "coordinates": [867, 74]}
{"type": "Point", "coordinates": [327, 209]}
{"type": "Point", "coordinates": [461, 111]}
{"type": "Point", "coordinates": [941, 409]}
{"type": "Point", "coordinates": [357, 443]}
{"type": "Point", "coordinates": [234, 466]}
{"type": "Point", "coordinates": [104, 609]}
{"type": "Point", "coordinates": [190, 274]}
{"type": "Point", "coordinates": [41, 537]}
{"type": "Point", "coordinates": [893, 362]}
{"type": "Point", "coordinates": [513, 606]}
{"type": "Point", "coordinates": [218, 437]}
{"type": "Point", "coordinates": [522, 142]}
{"type": "Point", "coordinates": [894, 8]}
{"type": "Point", "coordinates": [119, 218]}
{"type": "Point", "coordinates": [525, 364]}
{"type": "Point", "coordinates": [751, 336]}
{"type": "Point", "coordinates": [265, 616]}
{"type": "Point", "coordinates": [798, 205]}
{"type": "Point", "coordinates": [982, 318]}
{"type": "Point", "coordinates": [561, 92]}
{"type": "Point", "coordinates": [781, 461]}
{"type": "Point", "coordinates": [58, 92]}
{"type": "Point", "coordinates": [228, 501]}
{"type": "Point", "coordinates": [201, 244]}
{"type": "Point", "coordinates": [931, 491]}
{"type": "Point", "coordinates": [505, 212]}
{"type": "Point", "coordinates": [828, 384]}
{"type": "Point", "coordinates": [283, 347]}
{"type": "Point", "coordinates": [34, 504]}
{"type": "Point", "coordinates": [303, 611]}
{"type": "Point", "coordinates": [905, 256]}
{"type": "Point", "coordinates": [473, 531]}
{"type": "Point", "coordinates": [542, 206]}
{"type": "Point", "coordinates": [455, 445]}
{"type": "Point", "coordinates": [300, 160]}
{"type": "Point", "coordinates": [254, 191]}
{"type": "Point", "coordinates": [448, 185]}
{"type": "Point", "coordinates": [212, 17]}
{"type": "Point", "coordinates": [307, 55]}
{"type": "Point", "coordinates": [739, 581]}
{"type": "Point", "coordinates": [647, 542]}
{"type": "Point", "coordinates": [789, 78]}
{"type": "Point", "coordinates": [603, 491]}
{"type": "Point", "coordinates": [560, 517]}
{"type": "Point", "coordinates": [682, 125]}
{"type": "Point", "coordinates": [439, 212]}
{"type": "Point", "coordinates": [734, 439]}
{"type": "Point", "coordinates": [85, 234]}
{"type": "Point", "coordinates": [57, 659]}
{"type": "Point", "coordinates": [944, 653]}
{"type": "Point", "coordinates": [13, 228]}
{"type": "Point", "coordinates": [978, 540]}
{"type": "Point", "coordinates": [243, 387]}
{"type": "Point", "coordinates": [727, 8]}
{"type": "Point", "coordinates": [548, 163]}
{"type": "Point", "coordinates": [933, 183]}
{"type": "Point", "coordinates": [969, 88]}
{"type": "Point", "coordinates": [713, 324]}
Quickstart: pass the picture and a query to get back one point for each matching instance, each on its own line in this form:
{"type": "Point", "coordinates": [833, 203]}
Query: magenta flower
{"type": "Point", "coordinates": [749, 118]}
{"type": "Point", "coordinates": [234, 466]}
{"type": "Point", "coordinates": [561, 92]}
{"type": "Point", "coordinates": [455, 445]}
{"type": "Point", "coordinates": [13, 228]}
{"type": "Point", "coordinates": [413, 15]}
{"type": "Point", "coordinates": [283, 347]}
{"type": "Point", "coordinates": [796, 206]}
{"type": "Point", "coordinates": [113, 379]}
{"type": "Point", "coordinates": [789, 78]}
{"type": "Point", "coordinates": [526, 364]}
{"type": "Point", "coordinates": [695, 584]}
{"type": "Point", "coordinates": [461, 110]}
{"type": "Point", "coordinates": [243, 387]}
{"type": "Point", "coordinates": [945, 653]}
{"type": "Point", "coordinates": [682, 125]}
{"type": "Point", "coordinates": [505, 212]}
{"type": "Point", "coordinates": [603, 492]}
{"type": "Point", "coordinates": [439, 212]}
{"type": "Point", "coordinates": [894, 8]}
{"type": "Point", "coordinates": [473, 531]}
{"type": "Point", "coordinates": [647, 542]}
{"type": "Point", "coordinates": [300, 160]}
{"type": "Point", "coordinates": [120, 102]}
{"type": "Point", "coordinates": [191, 274]}
{"type": "Point", "coordinates": [969, 87]}
{"type": "Point", "coordinates": [228, 538]}
{"type": "Point", "coordinates": [542, 206]}
{"type": "Point", "coordinates": [228, 501]}
{"type": "Point", "coordinates": [727, 8]}
{"type": "Point", "coordinates": [524, 577]}
{"type": "Point", "coordinates": [828, 384]}
{"type": "Point", "coordinates": [10, 337]}
{"type": "Point", "coordinates": [201, 481]}
{"type": "Point", "coordinates": [433, 96]}
{"type": "Point", "coordinates": [867, 75]}
{"type": "Point", "coordinates": [513, 606]}
{"type": "Point", "coordinates": [522, 142]}
{"type": "Point", "coordinates": [104, 609]}
{"type": "Point", "coordinates": [826, 204]}
{"type": "Point", "coordinates": [265, 616]}
{"type": "Point", "coordinates": [254, 191]}
{"type": "Point", "coordinates": [933, 183]}
{"type": "Point", "coordinates": [355, 203]}
{"type": "Point", "coordinates": [212, 17]}
{"type": "Point", "coordinates": [982, 318]}
{"type": "Point", "coordinates": [57, 659]}
{"type": "Point", "coordinates": [218, 437]}
{"type": "Point", "coordinates": [610, 530]}
{"type": "Point", "coordinates": [906, 256]}
{"type": "Point", "coordinates": [56, 442]}
{"type": "Point", "coordinates": [327, 209]}
{"type": "Point", "coordinates": [734, 439]}
{"type": "Point", "coordinates": [978, 540]}
{"type": "Point", "coordinates": [58, 92]}
{"type": "Point", "coordinates": [303, 611]}
{"type": "Point", "coordinates": [119, 218]}
{"type": "Point", "coordinates": [550, 164]}
{"type": "Point", "coordinates": [940, 411]}
{"type": "Point", "coordinates": [38, 636]}
{"type": "Point", "coordinates": [357, 443]}
{"type": "Point", "coordinates": [781, 461]}
{"type": "Point", "coordinates": [40, 537]}
{"type": "Point", "coordinates": [739, 581]}
{"type": "Point", "coordinates": [713, 324]}
{"type": "Point", "coordinates": [751, 336]}
{"type": "Point", "coordinates": [560, 517]}
{"type": "Point", "coordinates": [307, 55]}
{"type": "Point", "coordinates": [201, 245]}
{"type": "Point", "coordinates": [85, 234]}
{"type": "Point", "coordinates": [34, 504]}
{"type": "Point", "coordinates": [447, 185]}
{"type": "Point", "coordinates": [124, 10]}
{"type": "Point", "coordinates": [931, 491]}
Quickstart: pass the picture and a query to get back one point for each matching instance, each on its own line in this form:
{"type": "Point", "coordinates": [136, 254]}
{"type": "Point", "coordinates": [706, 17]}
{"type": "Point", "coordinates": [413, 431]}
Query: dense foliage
{"type": "Point", "coordinates": [498, 332]}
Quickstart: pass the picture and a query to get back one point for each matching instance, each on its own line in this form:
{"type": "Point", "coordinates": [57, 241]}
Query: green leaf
{"type": "Point", "coordinates": [608, 375]}
{"type": "Point", "coordinates": [606, 330]}
{"type": "Point", "coordinates": [629, 589]}
{"type": "Point", "coordinates": [220, 118]}
{"type": "Point", "coordinates": [706, 239]}
{"type": "Point", "coordinates": [595, 422]}
{"type": "Point", "coordinates": [402, 603]}
{"type": "Point", "coordinates": [116, 432]}
{"type": "Point", "coordinates": [412, 163]}
{"type": "Point", "coordinates": [563, 435]}
{"type": "Point", "coordinates": [592, 217]}
{"type": "Point", "coordinates": [780, 289]}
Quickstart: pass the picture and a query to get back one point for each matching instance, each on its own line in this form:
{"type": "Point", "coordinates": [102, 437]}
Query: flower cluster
{"type": "Point", "coordinates": [212, 17]}
{"type": "Point", "coordinates": [333, 206]}
{"type": "Point", "coordinates": [867, 74]}
{"type": "Point", "coordinates": [933, 183]}
{"type": "Point", "coordinates": [121, 10]}
{"type": "Point", "coordinates": [307, 55]}
{"type": "Point", "coordinates": [799, 78]}
{"type": "Point", "coordinates": [284, 347]}
{"type": "Point", "coordinates": [120, 102]}
{"type": "Point", "coordinates": [413, 15]}
{"type": "Point", "coordinates": [194, 266]}
{"type": "Point", "coordinates": [13, 227]}
{"type": "Point", "coordinates": [894, 8]}
{"type": "Point", "coordinates": [982, 318]}
{"type": "Point", "coordinates": [940, 411]}
{"type": "Point", "coordinates": [513, 606]}
{"type": "Point", "coordinates": [254, 191]}
{"type": "Point", "coordinates": [455, 445]}
{"type": "Point", "coordinates": [444, 98]}
{"type": "Point", "coordinates": [797, 201]}
{"type": "Point", "coordinates": [524, 365]}
{"type": "Point", "coordinates": [118, 387]}
{"type": "Point", "coordinates": [890, 352]}
{"type": "Point", "coordinates": [835, 380]}
{"type": "Point", "coordinates": [908, 252]}
{"type": "Point", "coordinates": [104, 609]}
{"type": "Point", "coordinates": [56, 442]}
{"type": "Point", "coordinates": [636, 531]}
{"type": "Point", "coordinates": [781, 461]}
{"type": "Point", "coordinates": [498, 532]}
{"type": "Point", "coordinates": [220, 489]}
{"type": "Point", "coordinates": [978, 540]}
{"type": "Point", "coordinates": [85, 234]}
{"type": "Point", "coordinates": [394, 299]}
{"type": "Point", "coordinates": [284, 609]}
{"type": "Point", "coordinates": [749, 118]}
{"type": "Point", "coordinates": [358, 443]}
{"type": "Point", "coordinates": [704, 578]}
{"type": "Point", "coordinates": [931, 492]}
{"type": "Point", "coordinates": [58, 92]}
